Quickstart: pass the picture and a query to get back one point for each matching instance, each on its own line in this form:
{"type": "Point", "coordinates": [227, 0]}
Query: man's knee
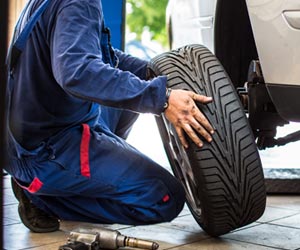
{"type": "Point", "coordinates": [168, 201]}
{"type": "Point", "coordinates": [173, 204]}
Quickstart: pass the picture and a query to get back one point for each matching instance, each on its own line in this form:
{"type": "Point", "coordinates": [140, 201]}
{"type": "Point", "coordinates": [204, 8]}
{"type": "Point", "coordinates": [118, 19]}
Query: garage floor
{"type": "Point", "coordinates": [278, 228]}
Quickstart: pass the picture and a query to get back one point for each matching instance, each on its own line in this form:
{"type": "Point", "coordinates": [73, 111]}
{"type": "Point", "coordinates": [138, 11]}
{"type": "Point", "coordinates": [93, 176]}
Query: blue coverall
{"type": "Point", "coordinates": [69, 116]}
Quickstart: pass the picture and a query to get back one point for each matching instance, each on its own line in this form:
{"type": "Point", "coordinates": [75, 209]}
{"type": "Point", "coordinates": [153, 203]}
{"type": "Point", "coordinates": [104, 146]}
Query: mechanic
{"type": "Point", "coordinates": [72, 104]}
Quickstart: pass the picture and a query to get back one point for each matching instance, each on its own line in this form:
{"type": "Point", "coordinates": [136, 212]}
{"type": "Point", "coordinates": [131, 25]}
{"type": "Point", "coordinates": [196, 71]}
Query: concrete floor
{"type": "Point", "coordinates": [278, 228]}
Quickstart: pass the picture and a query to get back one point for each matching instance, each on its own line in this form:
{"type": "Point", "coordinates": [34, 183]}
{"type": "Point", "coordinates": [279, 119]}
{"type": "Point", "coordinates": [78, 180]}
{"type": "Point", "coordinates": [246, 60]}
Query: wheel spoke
{"type": "Point", "coordinates": [183, 168]}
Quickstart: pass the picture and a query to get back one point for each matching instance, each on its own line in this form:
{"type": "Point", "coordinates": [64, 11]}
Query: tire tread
{"type": "Point", "coordinates": [228, 171]}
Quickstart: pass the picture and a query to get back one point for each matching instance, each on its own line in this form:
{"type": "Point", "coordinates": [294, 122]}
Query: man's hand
{"type": "Point", "coordinates": [186, 117]}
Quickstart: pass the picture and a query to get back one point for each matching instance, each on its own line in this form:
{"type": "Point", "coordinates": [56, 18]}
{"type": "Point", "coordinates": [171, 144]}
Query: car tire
{"type": "Point", "coordinates": [224, 179]}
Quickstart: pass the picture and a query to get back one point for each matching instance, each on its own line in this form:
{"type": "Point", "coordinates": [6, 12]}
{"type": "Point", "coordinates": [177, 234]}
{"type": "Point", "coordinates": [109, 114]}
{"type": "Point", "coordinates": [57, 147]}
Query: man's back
{"type": "Point", "coordinates": [40, 106]}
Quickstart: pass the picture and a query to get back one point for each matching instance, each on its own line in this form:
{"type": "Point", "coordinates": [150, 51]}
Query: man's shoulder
{"type": "Point", "coordinates": [84, 3]}
{"type": "Point", "coordinates": [74, 8]}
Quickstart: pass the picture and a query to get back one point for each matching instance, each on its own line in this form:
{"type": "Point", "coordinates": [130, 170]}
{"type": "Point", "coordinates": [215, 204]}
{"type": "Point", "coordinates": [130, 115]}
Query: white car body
{"type": "Point", "coordinates": [276, 27]}
{"type": "Point", "coordinates": [192, 21]}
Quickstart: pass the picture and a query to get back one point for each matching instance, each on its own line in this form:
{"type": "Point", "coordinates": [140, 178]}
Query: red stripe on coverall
{"type": "Point", "coordinates": [84, 151]}
{"type": "Point", "coordinates": [34, 186]}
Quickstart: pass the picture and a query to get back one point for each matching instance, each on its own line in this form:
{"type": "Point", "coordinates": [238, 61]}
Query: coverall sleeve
{"type": "Point", "coordinates": [77, 64]}
{"type": "Point", "coordinates": [133, 64]}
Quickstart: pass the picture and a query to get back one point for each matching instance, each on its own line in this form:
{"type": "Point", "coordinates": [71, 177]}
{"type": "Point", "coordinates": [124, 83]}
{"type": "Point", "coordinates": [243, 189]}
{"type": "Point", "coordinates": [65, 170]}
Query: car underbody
{"type": "Point", "coordinates": [267, 105]}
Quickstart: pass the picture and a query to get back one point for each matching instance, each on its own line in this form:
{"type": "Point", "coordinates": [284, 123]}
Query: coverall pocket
{"type": "Point", "coordinates": [71, 151]}
{"type": "Point", "coordinates": [52, 179]}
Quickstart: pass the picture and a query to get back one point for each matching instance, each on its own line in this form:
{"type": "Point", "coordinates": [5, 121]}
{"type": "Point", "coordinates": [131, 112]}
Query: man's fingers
{"type": "Point", "coordinates": [192, 134]}
{"type": "Point", "coordinates": [204, 122]}
{"type": "Point", "coordinates": [202, 131]}
{"type": "Point", "coordinates": [201, 98]}
{"type": "Point", "coordinates": [181, 137]}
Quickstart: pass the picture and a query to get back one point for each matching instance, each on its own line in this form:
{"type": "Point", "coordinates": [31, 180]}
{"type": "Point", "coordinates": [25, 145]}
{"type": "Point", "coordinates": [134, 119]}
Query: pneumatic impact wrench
{"type": "Point", "coordinates": [104, 239]}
